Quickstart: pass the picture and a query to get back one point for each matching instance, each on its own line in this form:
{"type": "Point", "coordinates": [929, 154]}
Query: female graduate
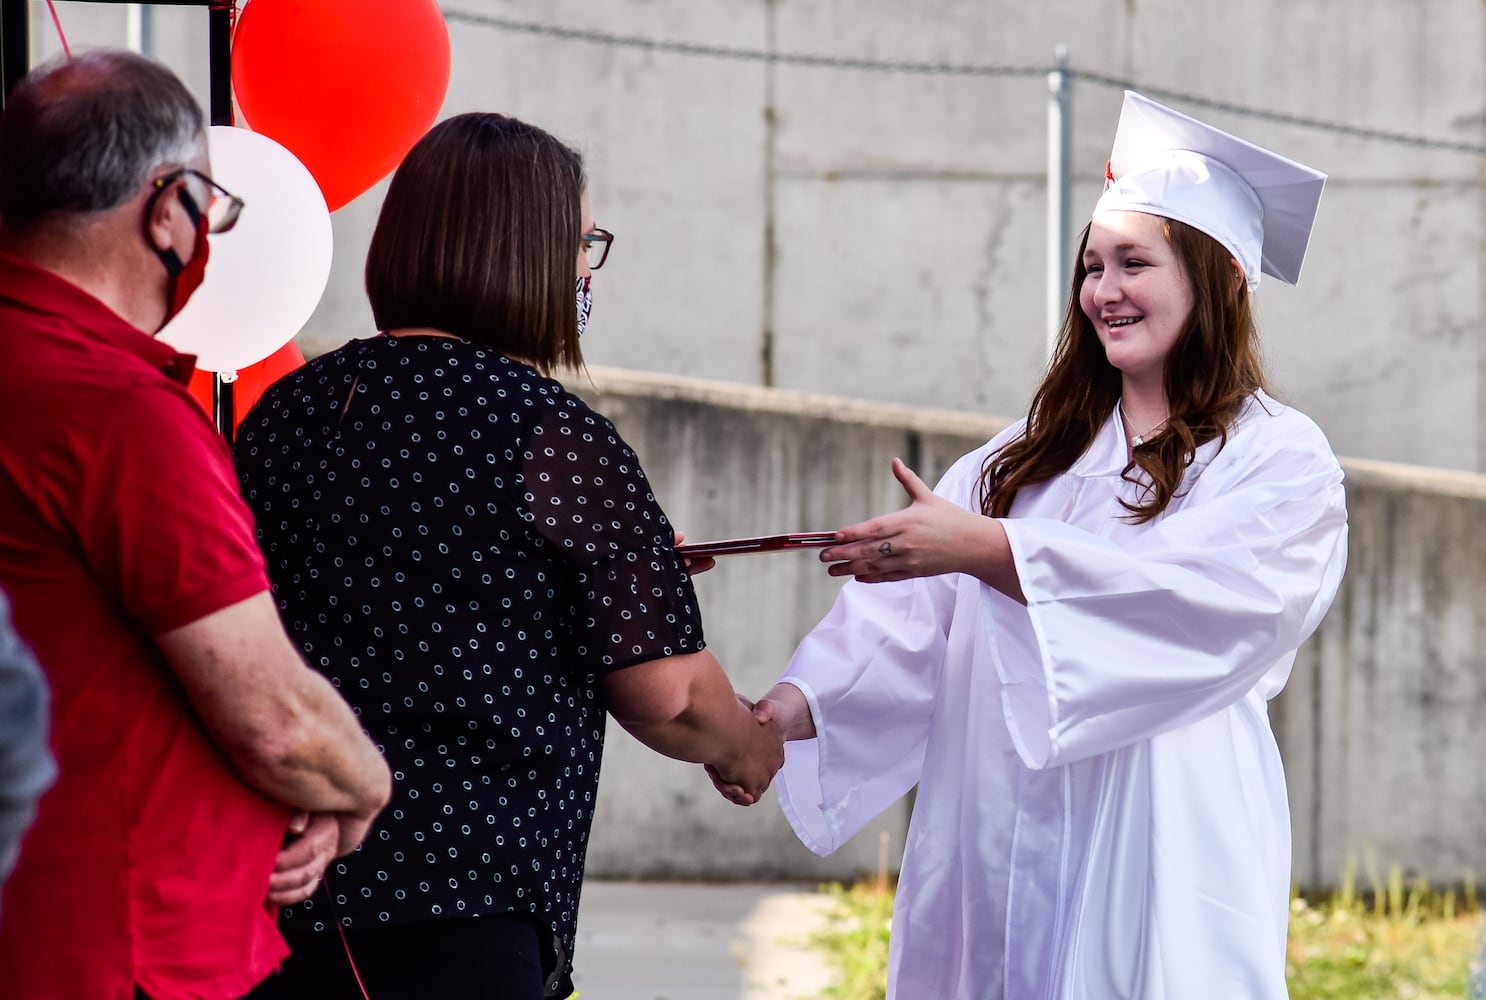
{"type": "Point", "coordinates": [1069, 645]}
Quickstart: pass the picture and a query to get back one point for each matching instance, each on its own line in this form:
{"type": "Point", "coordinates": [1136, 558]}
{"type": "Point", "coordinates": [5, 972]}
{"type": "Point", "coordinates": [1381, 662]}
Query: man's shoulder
{"type": "Point", "coordinates": [77, 425]}
{"type": "Point", "coordinates": [87, 402]}
{"type": "Point", "coordinates": [56, 355]}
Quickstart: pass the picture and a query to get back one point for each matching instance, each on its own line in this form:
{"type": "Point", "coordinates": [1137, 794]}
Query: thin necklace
{"type": "Point", "coordinates": [1136, 440]}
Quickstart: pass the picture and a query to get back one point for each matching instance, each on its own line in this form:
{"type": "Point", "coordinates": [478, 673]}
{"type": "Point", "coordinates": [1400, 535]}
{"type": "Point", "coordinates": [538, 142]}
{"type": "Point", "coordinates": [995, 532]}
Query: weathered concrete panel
{"type": "Point", "coordinates": [1354, 329]}
{"type": "Point", "coordinates": [180, 36]}
{"type": "Point", "coordinates": [938, 272]}
{"type": "Point", "coordinates": [673, 148]}
{"type": "Point", "coordinates": [1381, 722]}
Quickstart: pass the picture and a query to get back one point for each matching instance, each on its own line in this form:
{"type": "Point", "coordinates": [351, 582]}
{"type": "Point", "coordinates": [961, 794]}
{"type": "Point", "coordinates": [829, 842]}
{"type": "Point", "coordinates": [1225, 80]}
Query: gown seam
{"type": "Point", "coordinates": [1060, 914]}
{"type": "Point", "coordinates": [1011, 889]}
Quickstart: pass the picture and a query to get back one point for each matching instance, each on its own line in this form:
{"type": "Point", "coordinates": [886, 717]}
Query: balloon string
{"type": "Point", "coordinates": [336, 919]}
{"type": "Point", "coordinates": [52, 6]}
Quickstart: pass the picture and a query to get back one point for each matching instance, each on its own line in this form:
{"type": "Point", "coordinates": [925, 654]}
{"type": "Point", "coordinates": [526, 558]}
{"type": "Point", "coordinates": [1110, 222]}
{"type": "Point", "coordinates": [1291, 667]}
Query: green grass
{"type": "Point", "coordinates": [1400, 940]}
{"type": "Point", "coordinates": [855, 941]}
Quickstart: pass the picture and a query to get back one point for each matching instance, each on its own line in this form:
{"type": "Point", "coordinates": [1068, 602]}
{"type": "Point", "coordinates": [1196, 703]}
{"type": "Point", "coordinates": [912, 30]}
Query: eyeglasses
{"type": "Point", "coordinates": [596, 247]}
{"type": "Point", "coordinates": [222, 207]}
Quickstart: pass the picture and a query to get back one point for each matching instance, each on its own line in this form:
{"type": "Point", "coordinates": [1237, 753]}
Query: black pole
{"type": "Point", "coordinates": [219, 27]}
{"type": "Point", "coordinates": [224, 409]}
{"type": "Point", "coordinates": [15, 44]}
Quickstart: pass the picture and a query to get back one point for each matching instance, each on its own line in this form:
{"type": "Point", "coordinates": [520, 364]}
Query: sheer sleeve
{"type": "Point", "coordinates": [585, 494]}
{"type": "Point", "coordinates": [1119, 642]}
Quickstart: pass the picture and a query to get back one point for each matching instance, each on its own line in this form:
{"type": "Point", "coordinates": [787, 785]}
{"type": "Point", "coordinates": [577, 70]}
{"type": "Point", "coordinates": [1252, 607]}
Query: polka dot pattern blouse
{"type": "Point", "coordinates": [462, 547]}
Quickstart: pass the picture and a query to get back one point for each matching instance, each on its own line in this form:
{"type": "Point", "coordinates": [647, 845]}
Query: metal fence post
{"type": "Point", "coordinates": [1059, 191]}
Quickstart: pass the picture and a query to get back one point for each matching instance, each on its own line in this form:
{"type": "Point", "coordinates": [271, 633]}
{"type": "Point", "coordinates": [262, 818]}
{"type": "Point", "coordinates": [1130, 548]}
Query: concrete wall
{"type": "Point", "coordinates": [881, 235]}
{"type": "Point", "coordinates": [1380, 725]}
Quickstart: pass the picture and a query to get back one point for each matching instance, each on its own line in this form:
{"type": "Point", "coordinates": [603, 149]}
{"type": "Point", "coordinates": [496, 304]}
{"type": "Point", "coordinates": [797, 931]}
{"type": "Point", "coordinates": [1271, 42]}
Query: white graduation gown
{"type": "Point", "coordinates": [1101, 809]}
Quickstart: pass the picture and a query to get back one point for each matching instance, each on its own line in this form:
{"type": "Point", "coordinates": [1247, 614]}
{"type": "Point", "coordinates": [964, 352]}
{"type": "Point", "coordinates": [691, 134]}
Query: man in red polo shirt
{"type": "Point", "coordinates": [189, 735]}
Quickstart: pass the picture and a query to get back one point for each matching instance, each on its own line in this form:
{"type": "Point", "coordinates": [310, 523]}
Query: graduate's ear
{"type": "Point", "coordinates": [1237, 274]}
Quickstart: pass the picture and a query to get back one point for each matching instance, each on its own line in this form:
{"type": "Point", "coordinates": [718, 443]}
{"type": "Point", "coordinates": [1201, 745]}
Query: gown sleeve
{"type": "Point", "coordinates": [869, 671]}
{"type": "Point", "coordinates": [1121, 641]}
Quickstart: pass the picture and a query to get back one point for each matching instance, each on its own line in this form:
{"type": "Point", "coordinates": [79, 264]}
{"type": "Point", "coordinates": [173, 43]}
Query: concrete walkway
{"type": "Point", "coordinates": [685, 941]}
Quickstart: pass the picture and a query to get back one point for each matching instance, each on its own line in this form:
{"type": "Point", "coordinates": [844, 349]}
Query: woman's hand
{"type": "Point", "coordinates": [784, 712]}
{"type": "Point", "coordinates": [700, 564]}
{"type": "Point", "coordinates": [929, 537]}
{"type": "Point", "coordinates": [744, 777]}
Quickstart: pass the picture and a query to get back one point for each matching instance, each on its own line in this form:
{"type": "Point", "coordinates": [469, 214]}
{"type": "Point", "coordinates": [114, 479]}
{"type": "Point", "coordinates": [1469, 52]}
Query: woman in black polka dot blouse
{"type": "Point", "coordinates": [476, 561]}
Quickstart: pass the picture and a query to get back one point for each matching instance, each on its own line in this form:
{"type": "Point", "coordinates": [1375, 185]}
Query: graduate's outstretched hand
{"type": "Point", "coordinates": [928, 537]}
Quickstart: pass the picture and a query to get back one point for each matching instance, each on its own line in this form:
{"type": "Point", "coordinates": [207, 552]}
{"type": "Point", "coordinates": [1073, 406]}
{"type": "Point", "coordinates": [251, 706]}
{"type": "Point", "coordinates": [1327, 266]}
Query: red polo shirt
{"type": "Point", "coordinates": [120, 519]}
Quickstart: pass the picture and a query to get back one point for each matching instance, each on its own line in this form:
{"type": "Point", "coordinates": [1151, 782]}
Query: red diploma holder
{"type": "Point", "coordinates": [758, 543]}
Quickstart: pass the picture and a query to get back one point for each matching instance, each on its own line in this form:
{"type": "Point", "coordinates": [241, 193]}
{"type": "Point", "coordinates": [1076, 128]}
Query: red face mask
{"type": "Point", "coordinates": [186, 277]}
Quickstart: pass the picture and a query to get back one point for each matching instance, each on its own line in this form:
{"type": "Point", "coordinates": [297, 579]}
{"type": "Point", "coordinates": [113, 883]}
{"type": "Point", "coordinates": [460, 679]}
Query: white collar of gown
{"type": "Point", "coordinates": [1108, 455]}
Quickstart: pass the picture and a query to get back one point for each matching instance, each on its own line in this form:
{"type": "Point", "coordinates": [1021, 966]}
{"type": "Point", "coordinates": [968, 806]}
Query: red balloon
{"type": "Point", "coordinates": [347, 87]}
{"type": "Point", "coordinates": [252, 382]}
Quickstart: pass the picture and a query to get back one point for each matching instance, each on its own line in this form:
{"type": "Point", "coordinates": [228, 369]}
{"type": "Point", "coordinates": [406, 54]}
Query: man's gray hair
{"type": "Point", "coordinates": [84, 134]}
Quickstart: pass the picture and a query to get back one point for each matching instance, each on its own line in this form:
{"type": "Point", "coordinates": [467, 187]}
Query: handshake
{"type": "Point", "coordinates": [743, 771]}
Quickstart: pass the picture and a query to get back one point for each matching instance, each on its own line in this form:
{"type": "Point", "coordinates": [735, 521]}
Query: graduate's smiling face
{"type": "Point", "coordinates": [1135, 291]}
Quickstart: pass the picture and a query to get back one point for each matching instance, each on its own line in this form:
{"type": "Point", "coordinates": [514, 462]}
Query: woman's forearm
{"type": "Point", "coordinates": [684, 707]}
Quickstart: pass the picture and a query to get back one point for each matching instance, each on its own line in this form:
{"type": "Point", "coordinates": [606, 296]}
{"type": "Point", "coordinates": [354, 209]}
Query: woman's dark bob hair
{"type": "Point", "coordinates": [479, 237]}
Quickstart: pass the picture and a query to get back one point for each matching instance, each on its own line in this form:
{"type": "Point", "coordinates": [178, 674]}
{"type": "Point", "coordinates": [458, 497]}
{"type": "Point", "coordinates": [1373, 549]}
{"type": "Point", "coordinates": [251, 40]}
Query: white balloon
{"type": "Point", "coordinates": [265, 275]}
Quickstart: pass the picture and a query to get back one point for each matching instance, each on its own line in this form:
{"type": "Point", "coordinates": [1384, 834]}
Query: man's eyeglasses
{"type": "Point", "coordinates": [596, 247]}
{"type": "Point", "coordinates": [222, 207]}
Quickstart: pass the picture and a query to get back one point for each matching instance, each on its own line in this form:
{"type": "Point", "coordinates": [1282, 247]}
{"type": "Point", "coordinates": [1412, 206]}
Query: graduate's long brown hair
{"type": "Point", "coordinates": [1213, 367]}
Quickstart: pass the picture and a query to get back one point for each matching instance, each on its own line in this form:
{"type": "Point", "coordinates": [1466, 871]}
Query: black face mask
{"type": "Point", "coordinates": [185, 277]}
{"type": "Point", "coordinates": [585, 302]}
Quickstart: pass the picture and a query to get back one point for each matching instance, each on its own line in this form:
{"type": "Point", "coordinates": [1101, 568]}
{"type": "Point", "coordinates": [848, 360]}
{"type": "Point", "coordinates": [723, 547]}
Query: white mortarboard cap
{"type": "Point", "coordinates": [1256, 203]}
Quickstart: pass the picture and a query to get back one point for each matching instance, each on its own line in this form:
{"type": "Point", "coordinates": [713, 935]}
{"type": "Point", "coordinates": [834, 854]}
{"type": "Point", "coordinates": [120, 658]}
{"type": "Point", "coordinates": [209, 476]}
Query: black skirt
{"type": "Point", "coordinates": [493, 958]}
